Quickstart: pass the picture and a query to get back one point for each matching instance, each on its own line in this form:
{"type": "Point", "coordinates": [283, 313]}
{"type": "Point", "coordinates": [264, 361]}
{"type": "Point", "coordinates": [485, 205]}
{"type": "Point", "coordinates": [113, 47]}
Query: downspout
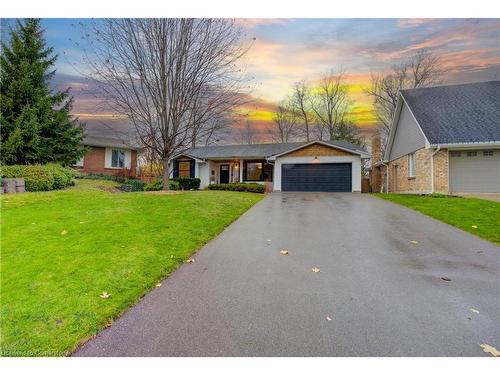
{"type": "Point", "coordinates": [432, 167]}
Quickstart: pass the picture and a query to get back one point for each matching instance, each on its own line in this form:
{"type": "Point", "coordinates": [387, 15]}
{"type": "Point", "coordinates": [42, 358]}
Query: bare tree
{"type": "Point", "coordinates": [246, 134]}
{"type": "Point", "coordinates": [420, 70]}
{"type": "Point", "coordinates": [300, 101]}
{"type": "Point", "coordinates": [166, 75]}
{"type": "Point", "coordinates": [284, 123]}
{"type": "Point", "coordinates": [331, 104]}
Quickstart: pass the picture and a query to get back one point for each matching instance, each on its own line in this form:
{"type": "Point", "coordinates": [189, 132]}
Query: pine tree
{"type": "Point", "coordinates": [36, 124]}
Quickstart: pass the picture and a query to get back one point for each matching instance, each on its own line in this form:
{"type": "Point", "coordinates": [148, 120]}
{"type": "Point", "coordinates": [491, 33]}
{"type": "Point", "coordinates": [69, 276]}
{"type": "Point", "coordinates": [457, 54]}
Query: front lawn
{"type": "Point", "coordinates": [62, 249]}
{"type": "Point", "coordinates": [477, 216]}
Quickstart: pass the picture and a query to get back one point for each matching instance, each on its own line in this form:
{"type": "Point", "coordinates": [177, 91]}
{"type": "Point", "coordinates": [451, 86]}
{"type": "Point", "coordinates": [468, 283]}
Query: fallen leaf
{"type": "Point", "coordinates": [414, 242]}
{"type": "Point", "coordinates": [474, 226]}
{"type": "Point", "coordinates": [315, 269]}
{"type": "Point", "coordinates": [328, 318]}
{"type": "Point", "coordinates": [64, 232]}
{"type": "Point", "coordinates": [32, 223]}
{"type": "Point", "coordinates": [190, 260]}
{"type": "Point", "coordinates": [158, 285]}
{"type": "Point", "coordinates": [171, 256]}
{"type": "Point", "coordinates": [108, 324]}
{"type": "Point", "coordinates": [475, 311]}
{"type": "Point", "coordinates": [284, 252]}
{"type": "Point", "coordinates": [81, 222]}
{"type": "Point", "coordinates": [105, 295]}
{"type": "Point", "coordinates": [490, 349]}
{"type": "Point", "coordinates": [445, 279]}
{"type": "Point", "coordinates": [269, 242]}
{"type": "Point", "coordinates": [480, 251]}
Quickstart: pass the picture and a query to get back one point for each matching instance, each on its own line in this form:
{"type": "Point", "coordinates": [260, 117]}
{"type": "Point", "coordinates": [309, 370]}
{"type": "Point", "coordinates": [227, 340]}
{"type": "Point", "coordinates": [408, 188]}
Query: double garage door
{"type": "Point", "coordinates": [316, 177]}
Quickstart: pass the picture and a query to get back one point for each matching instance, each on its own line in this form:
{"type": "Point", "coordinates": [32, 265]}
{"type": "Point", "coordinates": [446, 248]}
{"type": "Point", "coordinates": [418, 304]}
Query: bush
{"type": "Point", "coordinates": [127, 184]}
{"type": "Point", "coordinates": [251, 188]}
{"type": "Point", "coordinates": [188, 183]}
{"type": "Point", "coordinates": [158, 185]}
{"type": "Point", "coordinates": [40, 177]}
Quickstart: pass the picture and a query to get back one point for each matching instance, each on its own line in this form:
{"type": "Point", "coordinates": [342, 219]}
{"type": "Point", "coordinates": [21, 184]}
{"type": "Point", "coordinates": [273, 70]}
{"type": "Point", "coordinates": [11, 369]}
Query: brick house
{"type": "Point", "coordinates": [443, 139]}
{"type": "Point", "coordinates": [300, 166]}
{"type": "Point", "coordinates": [108, 155]}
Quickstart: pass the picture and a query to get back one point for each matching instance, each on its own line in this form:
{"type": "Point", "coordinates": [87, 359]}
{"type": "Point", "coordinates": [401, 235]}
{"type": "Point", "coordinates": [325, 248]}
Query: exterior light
{"type": "Point", "coordinates": [315, 158]}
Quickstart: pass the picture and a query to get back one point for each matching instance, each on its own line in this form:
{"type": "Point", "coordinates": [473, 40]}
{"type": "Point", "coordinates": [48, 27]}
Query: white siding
{"type": "Point", "coordinates": [354, 160]}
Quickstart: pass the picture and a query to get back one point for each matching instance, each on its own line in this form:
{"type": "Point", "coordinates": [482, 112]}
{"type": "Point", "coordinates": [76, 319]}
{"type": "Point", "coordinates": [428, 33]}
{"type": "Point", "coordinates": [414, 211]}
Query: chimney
{"type": "Point", "coordinates": [376, 149]}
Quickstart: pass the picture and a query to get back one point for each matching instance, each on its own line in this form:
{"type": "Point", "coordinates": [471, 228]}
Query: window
{"type": "Point", "coordinates": [456, 154]}
{"type": "Point", "coordinates": [471, 153]}
{"type": "Point", "coordinates": [184, 169]}
{"type": "Point", "coordinates": [117, 159]}
{"type": "Point", "coordinates": [254, 171]}
{"type": "Point", "coordinates": [488, 153]}
{"type": "Point", "coordinates": [411, 165]}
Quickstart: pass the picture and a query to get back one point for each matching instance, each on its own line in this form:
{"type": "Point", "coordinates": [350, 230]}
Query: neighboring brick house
{"type": "Point", "coordinates": [301, 166]}
{"type": "Point", "coordinates": [443, 139]}
{"type": "Point", "coordinates": [108, 155]}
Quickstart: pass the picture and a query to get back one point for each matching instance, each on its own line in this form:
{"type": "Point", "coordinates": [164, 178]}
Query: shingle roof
{"type": "Point", "coordinates": [108, 142]}
{"type": "Point", "coordinates": [457, 114]}
{"type": "Point", "coordinates": [256, 151]}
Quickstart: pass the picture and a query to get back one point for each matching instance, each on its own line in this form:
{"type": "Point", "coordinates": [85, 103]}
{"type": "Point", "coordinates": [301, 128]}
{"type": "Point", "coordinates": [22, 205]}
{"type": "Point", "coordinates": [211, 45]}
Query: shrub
{"type": "Point", "coordinates": [188, 183]}
{"type": "Point", "coordinates": [40, 177]}
{"type": "Point", "coordinates": [127, 184]}
{"type": "Point", "coordinates": [158, 185]}
{"type": "Point", "coordinates": [251, 188]}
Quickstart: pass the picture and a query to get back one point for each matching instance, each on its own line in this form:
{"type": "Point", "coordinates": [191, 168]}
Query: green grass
{"type": "Point", "coordinates": [121, 243]}
{"type": "Point", "coordinates": [462, 213]}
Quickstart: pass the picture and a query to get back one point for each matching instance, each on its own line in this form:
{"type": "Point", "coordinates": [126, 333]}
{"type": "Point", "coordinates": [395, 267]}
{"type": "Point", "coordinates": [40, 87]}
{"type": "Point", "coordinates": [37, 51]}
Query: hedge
{"type": "Point", "coordinates": [127, 184]}
{"type": "Point", "coordinates": [158, 185]}
{"type": "Point", "coordinates": [251, 188]}
{"type": "Point", "coordinates": [188, 183]}
{"type": "Point", "coordinates": [40, 177]}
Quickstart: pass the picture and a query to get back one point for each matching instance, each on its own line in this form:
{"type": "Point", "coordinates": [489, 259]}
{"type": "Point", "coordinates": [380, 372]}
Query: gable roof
{"type": "Point", "coordinates": [466, 113]}
{"type": "Point", "coordinates": [260, 151]}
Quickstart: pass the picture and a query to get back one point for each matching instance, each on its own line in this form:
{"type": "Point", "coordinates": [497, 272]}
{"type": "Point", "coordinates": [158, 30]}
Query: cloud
{"type": "Point", "coordinates": [250, 23]}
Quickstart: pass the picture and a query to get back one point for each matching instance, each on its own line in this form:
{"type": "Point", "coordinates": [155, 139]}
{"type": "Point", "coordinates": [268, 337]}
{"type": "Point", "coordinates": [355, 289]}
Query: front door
{"type": "Point", "coordinates": [224, 174]}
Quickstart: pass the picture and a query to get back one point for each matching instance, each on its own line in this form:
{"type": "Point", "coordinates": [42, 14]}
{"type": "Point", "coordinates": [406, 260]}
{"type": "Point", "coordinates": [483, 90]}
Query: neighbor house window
{"type": "Point", "coordinates": [411, 165]}
{"type": "Point", "coordinates": [254, 171]}
{"type": "Point", "coordinates": [117, 159]}
{"type": "Point", "coordinates": [184, 169]}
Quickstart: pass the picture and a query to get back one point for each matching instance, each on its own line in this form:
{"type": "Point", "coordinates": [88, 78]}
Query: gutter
{"type": "Point", "coordinates": [432, 167]}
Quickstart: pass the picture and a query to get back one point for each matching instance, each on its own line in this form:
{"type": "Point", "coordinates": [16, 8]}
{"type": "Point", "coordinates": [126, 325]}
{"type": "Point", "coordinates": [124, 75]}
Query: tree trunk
{"type": "Point", "coordinates": [166, 175]}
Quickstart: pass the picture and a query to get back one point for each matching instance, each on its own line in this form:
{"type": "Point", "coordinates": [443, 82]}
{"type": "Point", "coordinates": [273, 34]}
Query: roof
{"type": "Point", "coordinates": [262, 150]}
{"type": "Point", "coordinates": [107, 142]}
{"type": "Point", "coordinates": [466, 113]}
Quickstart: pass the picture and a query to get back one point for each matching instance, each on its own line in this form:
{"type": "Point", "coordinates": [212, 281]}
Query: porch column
{"type": "Point", "coordinates": [241, 170]}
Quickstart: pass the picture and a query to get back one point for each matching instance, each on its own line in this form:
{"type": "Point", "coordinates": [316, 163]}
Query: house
{"type": "Point", "coordinates": [443, 139]}
{"type": "Point", "coordinates": [110, 150]}
{"type": "Point", "coordinates": [302, 166]}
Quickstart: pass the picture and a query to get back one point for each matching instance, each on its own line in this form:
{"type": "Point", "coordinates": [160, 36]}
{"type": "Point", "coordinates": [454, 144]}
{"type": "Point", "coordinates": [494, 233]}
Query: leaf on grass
{"type": "Point", "coordinates": [81, 222]}
{"type": "Point", "coordinates": [108, 324]}
{"type": "Point", "coordinates": [64, 232]}
{"type": "Point", "coordinates": [475, 311]}
{"type": "Point", "coordinates": [328, 318]}
{"type": "Point", "coordinates": [105, 295]}
{"type": "Point", "coordinates": [414, 242]}
{"type": "Point", "coordinates": [190, 260]}
{"type": "Point", "coordinates": [490, 349]}
{"type": "Point", "coordinates": [474, 226]}
{"type": "Point", "coordinates": [315, 269]}
{"type": "Point", "coordinates": [284, 252]}
{"type": "Point", "coordinates": [158, 285]}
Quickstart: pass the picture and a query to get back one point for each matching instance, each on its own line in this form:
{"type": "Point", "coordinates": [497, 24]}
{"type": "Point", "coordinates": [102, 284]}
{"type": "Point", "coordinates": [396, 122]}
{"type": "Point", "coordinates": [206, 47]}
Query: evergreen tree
{"type": "Point", "coordinates": [36, 124]}
{"type": "Point", "coordinates": [347, 131]}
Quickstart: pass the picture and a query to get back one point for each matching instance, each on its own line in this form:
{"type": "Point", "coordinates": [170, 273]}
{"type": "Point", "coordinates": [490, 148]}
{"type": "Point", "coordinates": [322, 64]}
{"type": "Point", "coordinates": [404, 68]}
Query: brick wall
{"type": "Point", "coordinates": [318, 150]}
{"type": "Point", "coordinates": [422, 182]}
{"type": "Point", "coordinates": [94, 161]}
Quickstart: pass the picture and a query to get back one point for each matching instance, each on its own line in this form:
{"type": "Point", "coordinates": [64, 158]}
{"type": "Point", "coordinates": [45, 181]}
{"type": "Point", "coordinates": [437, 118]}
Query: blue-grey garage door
{"type": "Point", "coordinates": [316, 177]}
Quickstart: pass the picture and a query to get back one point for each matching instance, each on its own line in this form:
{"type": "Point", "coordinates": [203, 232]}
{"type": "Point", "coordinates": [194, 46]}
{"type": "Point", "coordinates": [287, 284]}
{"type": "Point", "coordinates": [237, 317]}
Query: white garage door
{"type": "Point", "coordinates": [476, 171]}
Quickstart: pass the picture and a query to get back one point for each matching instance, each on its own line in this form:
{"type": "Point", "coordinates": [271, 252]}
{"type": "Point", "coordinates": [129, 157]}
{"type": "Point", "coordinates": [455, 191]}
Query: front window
{"type": "Point", "coordinates": [411, 165]}
{"type": "Point", "coordinates": [184, 169]}
{"type": "Point", "coordinates": [254, 171]}
{"type": "Point", "coordinates": [117, 159]}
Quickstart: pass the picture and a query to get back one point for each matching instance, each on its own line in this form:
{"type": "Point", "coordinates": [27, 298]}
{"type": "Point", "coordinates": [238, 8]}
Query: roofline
{"type": "Point", "coordinates": [187, 155]}
{"type": "Point", "coordinates": [117, 145]}
{"type": "Point", "coordinates": [360, 153]}
{"type": "Point", "coordinates": [466, 144]}
{"type": "Point", "coordinates": [395, 122]}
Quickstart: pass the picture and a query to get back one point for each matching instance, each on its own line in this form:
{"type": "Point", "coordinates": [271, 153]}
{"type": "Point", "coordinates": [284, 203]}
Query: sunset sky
{"type": "Point", "coordinates": [289, 50]}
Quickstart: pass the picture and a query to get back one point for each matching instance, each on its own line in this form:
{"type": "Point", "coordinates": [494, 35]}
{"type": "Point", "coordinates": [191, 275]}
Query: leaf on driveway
{"type": "Point", "coordinates": [284, 252]}
{"type": "Point", "coordinates": [158, 285]}
{"type": "Point", "coordinates": [105, 295]}
{"type": "Point", "coordinates": [190, 260]}
{"type": "Point", "coordinates": [269, 242]}
{"type": "Point", "coordinates": [328, 318]}
{"type": "Point", "coordinates": [64, 232]}
{"type": "Point", "coordinates": [315, 269]}
{"type": "Point", "coordinates": [414, 242]}
{"type": "Point", "coordinates": [490, 349]}
{"type": "Point", "coordinates": [475, 311]}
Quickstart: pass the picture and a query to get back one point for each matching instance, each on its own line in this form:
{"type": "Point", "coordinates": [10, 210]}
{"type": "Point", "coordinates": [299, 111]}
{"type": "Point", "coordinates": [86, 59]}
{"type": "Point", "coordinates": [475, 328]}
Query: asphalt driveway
{"type": "Point", "coordinates": [377, 294]}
